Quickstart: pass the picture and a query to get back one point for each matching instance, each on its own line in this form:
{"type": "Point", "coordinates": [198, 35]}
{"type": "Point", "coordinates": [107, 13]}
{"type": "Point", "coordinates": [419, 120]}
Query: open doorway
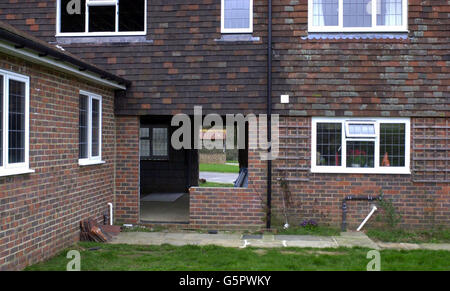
{"type": "Point", "coordinates": [166, 174]}
{"type": "Point", "coordinates": [223, 166]}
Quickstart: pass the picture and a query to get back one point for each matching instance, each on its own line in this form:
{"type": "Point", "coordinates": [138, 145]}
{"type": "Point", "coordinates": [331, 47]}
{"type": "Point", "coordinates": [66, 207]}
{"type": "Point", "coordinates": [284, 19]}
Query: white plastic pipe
{"type": "Point", "coordinates": [374, 208]}
{"type": "Point", "coordinates": [110, 213]}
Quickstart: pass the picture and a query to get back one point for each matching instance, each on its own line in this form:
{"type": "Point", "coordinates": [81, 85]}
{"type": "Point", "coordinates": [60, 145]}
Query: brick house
{"type": "Point", "coordinates": [362, 99]}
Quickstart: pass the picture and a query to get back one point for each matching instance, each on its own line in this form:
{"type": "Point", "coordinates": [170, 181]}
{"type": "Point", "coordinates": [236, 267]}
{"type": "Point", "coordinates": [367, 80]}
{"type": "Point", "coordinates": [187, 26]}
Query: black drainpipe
{"type": "Point", "coordinates": [269, 113]}
{"type": "Point", "coordinates": [356, 198]}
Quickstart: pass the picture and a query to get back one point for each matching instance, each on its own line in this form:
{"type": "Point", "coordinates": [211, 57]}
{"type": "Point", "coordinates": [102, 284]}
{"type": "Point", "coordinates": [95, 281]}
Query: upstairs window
{"type": "Point", "coordinates": [237, 16]}
{"type": "Point", "coordinates": [90, 128]}
{"type": "Point", "coordinates": [14, 123]}
{"type": "Point", "coordinates": [154, 142]}
{"type": "Point", "coordinates": [101, 17]}
{"type": "Point", "coordinates": [357, 15]}
{"type": "Point", "coordinates": [341, 145]}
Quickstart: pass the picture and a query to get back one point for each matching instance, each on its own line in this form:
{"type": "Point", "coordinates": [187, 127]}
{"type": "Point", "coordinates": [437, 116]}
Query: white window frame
{"type": "Point", "coordinates": [108, 33]}
{"type": "Point", "coordinates": [92, 160]}
{"type": "Point", "coordinates": [374, 28]}
{"type": "Point", "coordinates": [8, 169]}
{"type": "Point", "coordinates": [236, 30]}
{"type": "Point", "coordinates": [377, 169]}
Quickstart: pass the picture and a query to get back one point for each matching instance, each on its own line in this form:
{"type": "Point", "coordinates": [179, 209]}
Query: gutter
{"type": "Point", "coordinates": [269, 115]}
{"type": "Point", "coordinates": [45, 52]}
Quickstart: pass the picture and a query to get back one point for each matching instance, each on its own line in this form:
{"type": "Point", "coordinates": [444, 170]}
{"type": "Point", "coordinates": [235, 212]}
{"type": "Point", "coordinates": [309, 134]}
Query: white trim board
{"type": "Point", "coordinates": [58, 65]}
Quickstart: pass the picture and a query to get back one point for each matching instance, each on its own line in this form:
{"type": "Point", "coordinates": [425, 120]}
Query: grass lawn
{"type": "Point", "coordinates": [215, 185]}
{"type": "Point", "coordinates": [219, 168]}
{"type": "Point", "coordinates": [202, 258]}
{"type": "Point", "coordinates": [418, 236]}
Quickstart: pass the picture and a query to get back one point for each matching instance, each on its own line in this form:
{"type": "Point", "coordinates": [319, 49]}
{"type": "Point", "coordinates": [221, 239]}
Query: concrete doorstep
{"type": "Point", "coordinates": [346, 239]}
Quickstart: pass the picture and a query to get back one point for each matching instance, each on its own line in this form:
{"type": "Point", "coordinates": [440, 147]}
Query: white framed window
{"type": "Point", "coordinates": [357, 15]}
{"type": "Point", "coordinates": [101, 17]}
{"type": "Point", "coordinates": [90, 128]}
{"type": "Point", "coordinates": [237, 16]}
{"type": "Point", "coordinates": [14, 123]}
{"type": "Point", "coordinates": [360, 145]}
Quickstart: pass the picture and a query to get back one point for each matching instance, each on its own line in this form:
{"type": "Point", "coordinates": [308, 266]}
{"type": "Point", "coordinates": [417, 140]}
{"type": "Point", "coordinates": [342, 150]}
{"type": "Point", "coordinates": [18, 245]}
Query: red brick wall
{"type": "Point", "coordinates": [127, 169]}
{"type": "Point", "coordinates": [233, 208]}
{"type": "Point", "coordinates": [40, 212]}
{"type": "Point", "coordinates": [319, 196]}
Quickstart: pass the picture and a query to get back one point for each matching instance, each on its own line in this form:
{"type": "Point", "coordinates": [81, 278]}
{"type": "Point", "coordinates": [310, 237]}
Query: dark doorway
{"type": "Point", "coordinates": [166, 174]}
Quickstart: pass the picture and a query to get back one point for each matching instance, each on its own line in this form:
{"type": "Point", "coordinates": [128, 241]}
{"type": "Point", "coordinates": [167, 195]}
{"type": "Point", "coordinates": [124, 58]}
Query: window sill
{"type": "Point", "coordinates": [390, 171]}
{"type": "Point", "coordinates": [357, 35]}
{"type": "Point", "coordinates": [83, 163]}
{"type": "Point", "coordinates": [236, 37]}
{"type": "Point", "coordinates": [63, 39]}
{"type": "Point", "coordinates": [14, 172]}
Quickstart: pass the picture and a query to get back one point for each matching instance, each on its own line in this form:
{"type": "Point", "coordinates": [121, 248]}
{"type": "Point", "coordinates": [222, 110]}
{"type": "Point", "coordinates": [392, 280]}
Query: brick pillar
{"type": "Point", "coordinates": [127, 169]}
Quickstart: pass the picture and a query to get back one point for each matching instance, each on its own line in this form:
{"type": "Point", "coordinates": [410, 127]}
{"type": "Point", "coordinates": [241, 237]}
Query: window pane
{"type": "Point", "coordinates": [329, 137]}
{"type": "Point", "coordinates": [145, 132]}
{"type": "Point", "coordinates": [16, 129]}
{"type": "Point", "coordinates": [357, 13]}
{"type": "Point", "coordinates": [389, 12]}
{"type": "Point", "coordinates": [95, 127]}
{"type": "Point", "coordinates": [102, 18]}
{"type": "Point", "coordinates": [159, 142]}
{"type": "Point", "coordinates": [73, 16]}
{"type": "Point", "coordinates": [361, 129]}
{"type": "Point", "coordinates": [392, 145]}
{"type": "Point", "coordinates": [83, 134]}
{"type": "Point", "coordinates": [237, 14]}
{"type": "Point", "coordinates": [1, 120]}
{"type": "Point", "coordinates": [144, 148]}
{"type": "Point", "coordinates": [325, 12]}
{"type": "Point", "coordinates": [131, 15]}
{"type": "Point", "coordinates": [360, 154]}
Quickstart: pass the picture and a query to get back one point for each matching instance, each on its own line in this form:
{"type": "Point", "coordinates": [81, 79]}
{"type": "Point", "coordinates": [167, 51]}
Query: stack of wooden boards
{"type": "Point", "coordinates": [92, 231]}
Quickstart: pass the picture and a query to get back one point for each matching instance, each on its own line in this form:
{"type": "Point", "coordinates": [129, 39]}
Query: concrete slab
{"type": "Point", "coordinates": [355, 239]}
{"type": "Point", "coordinates": [312, 244]}
{"type": "Point", "coordinates": [435, 247]}
{"type": "Point", "coordinates": [266, 241]}
{"type": "Point", "coordinates": [169, 212]}
{"type": "Point", "coordinates": [311, 238]}
{"type": "Point", "coordinates": [398, 246]}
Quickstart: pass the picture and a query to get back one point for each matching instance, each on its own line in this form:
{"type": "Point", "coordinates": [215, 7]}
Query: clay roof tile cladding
{"type": "Point", "coordinates": [23, 39]}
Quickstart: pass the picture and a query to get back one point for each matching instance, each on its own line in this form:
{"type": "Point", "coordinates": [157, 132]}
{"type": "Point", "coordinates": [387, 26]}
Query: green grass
{"type": "Point", "coordinates": [419, 236]}
{"type": "Point", "coordinates": [203, 258]}
{"type": "Point", "coordinates": [319, 230]}
{"type": "Point", "coordinates": [219, 168]}
{"type": "Point", "coordinates": [215, 185]}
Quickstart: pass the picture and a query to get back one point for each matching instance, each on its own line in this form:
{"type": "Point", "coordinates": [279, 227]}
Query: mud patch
{"type": "Point", "coordinates": [260, 252]}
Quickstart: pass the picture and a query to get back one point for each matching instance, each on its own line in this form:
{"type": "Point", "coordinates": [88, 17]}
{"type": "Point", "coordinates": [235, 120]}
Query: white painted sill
{"type": "Point", "coordinates": [99, 34]}
{"type": "Point", "coordinates": [84, 163]}
{"type": "Point", "coordinates": [361, 171]}
{"type": "Point", "coordinates": [14, 172]}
